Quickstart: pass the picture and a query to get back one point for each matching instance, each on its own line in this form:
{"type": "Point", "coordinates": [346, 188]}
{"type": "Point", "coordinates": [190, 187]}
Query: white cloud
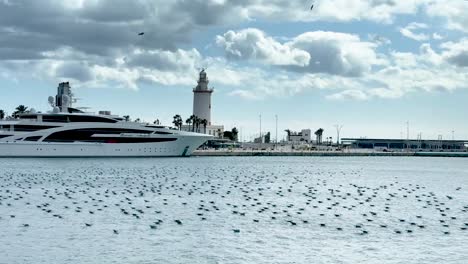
{"type": "Point", "coordinates": [337, 53]}
{"type": "Point", "coordinates": [382, 11]}
{"type": "Point", "coordinates": [403, 73]}
{"type": "Point", "coordinates": [253, 44]}
{"type": "Point", "coordinates": [456, 53]}
{"type": "Point", "coordinates": [313, 52]}
{"type": "Point", "coordinates": [349, 94]}
{"type": "Point", "coordinates": [453, 11]}
{"type": "Point", "coordinates": [164, 60]}
{"type": "Point", "coordinates": [437, 36]}
{"type": "Point", "coordinates": [409, 31]}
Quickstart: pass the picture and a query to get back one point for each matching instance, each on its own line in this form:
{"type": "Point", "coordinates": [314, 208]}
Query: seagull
{"type": "Point", "coordinates": [141, 33]}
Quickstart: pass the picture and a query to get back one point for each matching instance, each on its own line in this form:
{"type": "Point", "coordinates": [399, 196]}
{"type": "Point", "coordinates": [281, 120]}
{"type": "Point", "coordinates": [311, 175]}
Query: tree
{"type": "Point", "coordinates": [2, 114]}
{"type": "Point", "coordinates": [318, 135]}
{"type": "Point", "coordinates": [178, 122]}
{"type": "Point", "coordinates": [138, 120]}
{"type": "Point", "coordinates": [204, 122]}
{"type": "Point", "coordinates": [197, 122]}
{"type": "Point", "coordinates": [288, 131]}
{"type": "Point", "coordinates": [156, 122]}
{"type": "Point", "coordinates": [189, 121]}
{"type": "Point", "coordinates": [192, 119]}
{"type": "Point", "coordinates": [235, 134]}
{"type": "Point", "coordinates": [127, 118]}
{"type": "Point", "coordinates": [268, 138]}
{"type": "Point", "coordinates": [21, 109]}
{"type": "Point", "coordinates": [228, 135]}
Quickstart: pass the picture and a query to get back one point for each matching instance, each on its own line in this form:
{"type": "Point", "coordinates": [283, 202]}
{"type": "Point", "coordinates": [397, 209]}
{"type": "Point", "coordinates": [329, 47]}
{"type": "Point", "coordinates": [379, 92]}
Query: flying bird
{"type": "Point", "coordinates": [141, 33]}
{"type": "Point", "coordinates": [312, 6]}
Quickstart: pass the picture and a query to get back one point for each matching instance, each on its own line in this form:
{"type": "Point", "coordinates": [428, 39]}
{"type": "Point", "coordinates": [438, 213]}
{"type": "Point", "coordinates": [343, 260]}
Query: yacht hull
{"type": "Point", "coordinates": [183, 146]}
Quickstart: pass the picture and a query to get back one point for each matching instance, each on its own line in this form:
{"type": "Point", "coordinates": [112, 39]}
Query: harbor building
{"type": "Point", "coordinates": [202, 108]}
{"type": "Point", "coordinates": [405, 144]}
{"type": "Point", "coordinates": [303, 136]}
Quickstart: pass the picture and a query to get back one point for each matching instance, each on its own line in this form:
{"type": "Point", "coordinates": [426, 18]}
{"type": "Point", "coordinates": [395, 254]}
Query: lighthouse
{"type": "Point", "coordinates": [202, 110]}
{"type": "Point", "coordinates": [202, 98]}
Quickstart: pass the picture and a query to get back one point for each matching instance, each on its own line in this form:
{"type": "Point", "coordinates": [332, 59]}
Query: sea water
{"type": "Point", "coordinates": [234, 210]}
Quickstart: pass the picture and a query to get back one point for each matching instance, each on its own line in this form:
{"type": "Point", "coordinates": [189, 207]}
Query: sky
{"type": "Point", "coordinates": [375, 67]}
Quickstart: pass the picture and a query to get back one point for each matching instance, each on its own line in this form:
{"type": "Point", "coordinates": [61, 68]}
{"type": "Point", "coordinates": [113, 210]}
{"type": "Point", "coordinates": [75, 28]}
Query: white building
{"type": "Point", "coordinates": [303, 136]}
{"type": "Point", "coordinates": [202, 108]}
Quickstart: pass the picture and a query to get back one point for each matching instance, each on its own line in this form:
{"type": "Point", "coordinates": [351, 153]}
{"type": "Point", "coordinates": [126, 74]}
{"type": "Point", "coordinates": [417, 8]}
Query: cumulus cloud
{"type": "Point", "coordinates": [382, 11]}
{"type": "Point", "coordinates": [312, 52]}
{"type": "Point", "coordinates": [96, 43]}
{"type": "Point", "coordinates": [453, 11]}
{"type": "Point", "coordinates": [456, 53]}
{"type": "Point", "coordinates": [163, 60]}
{"type": "Point", "coordinates": [409, 31]}
{"type": "Point", "coordinates": [349, 94]}
{"type": "Point", "coordinates": [336, 53]}
{"type": "Point", "coordinates": [253, 44]}
{"type": "Point", "coordinates": [403, 73]}
{"type": "Point", "coordinates": [75, 70]}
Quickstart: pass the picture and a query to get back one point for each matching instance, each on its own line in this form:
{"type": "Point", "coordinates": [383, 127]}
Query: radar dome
{"type": "Point", "coordinates": [51, 100]}
{"type": "Point", "coordinates": [56, 110]}
{"type": "Point", "coordinates": [32, 111]}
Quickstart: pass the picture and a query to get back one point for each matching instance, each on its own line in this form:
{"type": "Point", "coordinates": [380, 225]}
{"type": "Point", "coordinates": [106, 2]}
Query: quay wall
{"type": "Point", "coordinates": [217, 153]}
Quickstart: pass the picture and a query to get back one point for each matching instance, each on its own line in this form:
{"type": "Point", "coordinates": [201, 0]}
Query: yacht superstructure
{"type": "Point", "coordinates": [70, 132]}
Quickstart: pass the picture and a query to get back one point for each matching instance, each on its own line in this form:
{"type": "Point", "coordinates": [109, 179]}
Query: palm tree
{"type": "Point", "coordinates": [127, 118]}
{"type": "Point", "coordinates": [2, 114]}
{"type": "Point", "coordinates": [178, 122]}
{"type": "Point", "coordinates": [318, 134]}
{"type": "Point", "coordinates": [197, 123]}
{"type": "Point", "coordinates": [204, 122]}
{"type": "Point", "coordinates": [192, 119]}
{"type": "Point", "coordinates": [189, 121]}
{"type": "Point", "coordinates": [21, 109]}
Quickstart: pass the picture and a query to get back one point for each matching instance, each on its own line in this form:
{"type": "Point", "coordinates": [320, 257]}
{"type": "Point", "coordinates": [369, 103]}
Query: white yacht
{"type": "Point", "coordinates": [70, 132]}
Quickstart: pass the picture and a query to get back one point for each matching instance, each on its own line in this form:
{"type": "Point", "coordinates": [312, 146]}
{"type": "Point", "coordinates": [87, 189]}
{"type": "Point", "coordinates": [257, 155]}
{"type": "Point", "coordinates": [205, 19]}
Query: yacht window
{"type": "Point", "coordinates": [85, 134]}
{"type": "Point", "coordinates": [4, 136]}
{"type": "Point", "coordinates": [30, 128]}
{"type": "Point", "coordinates": [33, 138]}
{"type": "Point", "coordinates": [92, 119]}
{"type": "Point", "coordinates": [55, 118]}
{"type": "Point", "coordinates": [162, 133]}
{"type": "Point", "coordinates": [34, 117]}
{"type": "Point", "coordinates": [77, 119]}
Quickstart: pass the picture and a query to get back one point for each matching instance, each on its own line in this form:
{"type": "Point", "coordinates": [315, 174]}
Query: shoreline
{"type": "Point", "coordinates": [217, 153]}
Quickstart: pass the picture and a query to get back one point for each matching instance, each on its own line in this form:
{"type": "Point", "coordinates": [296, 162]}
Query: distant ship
{"type": "Point", "coordinates": [70, 132]}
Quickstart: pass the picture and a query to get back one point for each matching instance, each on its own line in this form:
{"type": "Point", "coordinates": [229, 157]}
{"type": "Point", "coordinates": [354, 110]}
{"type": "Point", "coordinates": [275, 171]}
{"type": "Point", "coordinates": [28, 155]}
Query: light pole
{"type": "Point", "coordinates": [338, 130]}
{"type": "Point", "coordinates": [407, 130]}
{"type": "Point", "coordinates": [261, 139]}
{"type": "Point", "coordinates": [276, 136]}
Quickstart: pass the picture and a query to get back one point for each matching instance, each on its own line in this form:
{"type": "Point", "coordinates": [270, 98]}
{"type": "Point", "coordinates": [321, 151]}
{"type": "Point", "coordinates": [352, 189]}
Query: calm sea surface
{"type": "Point", "coordinates": [234, 210]}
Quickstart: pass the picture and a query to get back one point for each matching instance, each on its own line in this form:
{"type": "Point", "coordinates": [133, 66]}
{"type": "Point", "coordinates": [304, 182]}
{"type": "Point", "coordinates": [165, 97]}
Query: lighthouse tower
{"type": "Point", "coordinates": [202, 98]}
